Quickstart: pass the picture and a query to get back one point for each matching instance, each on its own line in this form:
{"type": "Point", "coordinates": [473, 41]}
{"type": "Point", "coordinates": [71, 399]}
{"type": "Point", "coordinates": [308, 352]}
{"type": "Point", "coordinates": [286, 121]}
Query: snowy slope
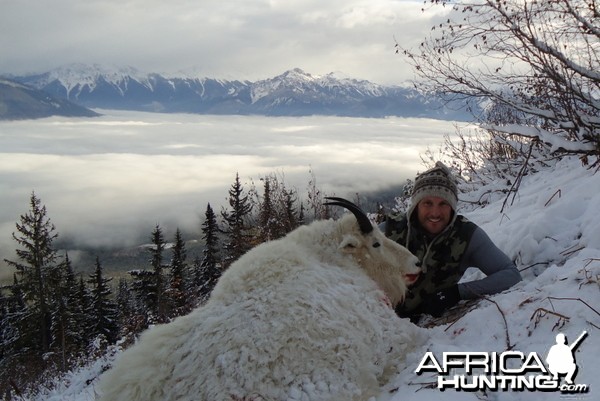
{"type": "Point", "coordinates": [553, 231]}
{"type": "Point", "coordinates": [20, 102]}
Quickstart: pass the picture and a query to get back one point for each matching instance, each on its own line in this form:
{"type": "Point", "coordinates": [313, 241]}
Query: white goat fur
{"type": "Point", "coordinates": [299, 318]}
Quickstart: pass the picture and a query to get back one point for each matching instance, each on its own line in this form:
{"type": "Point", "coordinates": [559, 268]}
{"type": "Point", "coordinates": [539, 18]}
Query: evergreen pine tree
{"type": "Point", "coordinates": [67, 334]}
{"type": "Point", "coordinates": [12, 306]}
{"type": "Point", "coordinates": [5, 322]}
{"type": "Point", "coordinates": [195, 283]}
{"type": "Point", "coordinates": [208, 271]}
{"type": "Point", "coordinates": [159, 305]}
{"type": "Point", "coordinates": [103, 310]}
{"type": "Point", "coordinates": [129, 320]}
{"type": "Point", "coordinates": [37, 263]}
{"type": "Point", "coordinates": [301, 216]}
{"type": "Point", "coordinates": [143, 286]}
{"type": "Point", "coordinates": [12, 328]}
{"type": "Point", "coordinates": [267, 218]}
{"type": "Point", "coordinates": [278, 214]}
{"type": "Point", "coordinates": [292, 217]}
{"type": "Point", "coordinates": [177, 291]}
{"type": "Point", "coordinates": [77, 320]}
{"type": "Point", "coordinates": [236, 226]}
{"type": "Point", "coordinates": [83, 314]}
{"type": "Point", "coordinates": [124, 300]}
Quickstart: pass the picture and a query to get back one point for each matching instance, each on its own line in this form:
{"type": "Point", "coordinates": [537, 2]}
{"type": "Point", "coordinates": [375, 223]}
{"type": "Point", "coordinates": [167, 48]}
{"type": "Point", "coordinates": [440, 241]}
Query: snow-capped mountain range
{"type": "Point", "coordinates": [293, 93]}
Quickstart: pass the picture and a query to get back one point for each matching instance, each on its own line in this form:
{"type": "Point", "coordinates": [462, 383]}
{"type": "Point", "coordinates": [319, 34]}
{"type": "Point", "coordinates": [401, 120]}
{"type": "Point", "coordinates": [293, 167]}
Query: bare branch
{"type": "Point", "coordinates": [540, 59]}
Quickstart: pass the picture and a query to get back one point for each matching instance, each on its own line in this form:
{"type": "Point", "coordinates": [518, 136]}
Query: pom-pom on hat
{"type": "Point", "coordinates": [437, 181]}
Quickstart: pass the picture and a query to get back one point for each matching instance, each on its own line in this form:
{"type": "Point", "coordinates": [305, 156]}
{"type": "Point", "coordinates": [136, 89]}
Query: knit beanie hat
{"type": "Point", "coordinates": [437, 181]}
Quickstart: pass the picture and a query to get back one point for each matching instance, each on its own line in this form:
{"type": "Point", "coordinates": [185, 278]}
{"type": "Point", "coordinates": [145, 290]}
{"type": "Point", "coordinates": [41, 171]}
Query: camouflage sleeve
{"type": "Point", "coordinates": [483, 254]}
{"type": "Point", "coordinates": [393, 224]}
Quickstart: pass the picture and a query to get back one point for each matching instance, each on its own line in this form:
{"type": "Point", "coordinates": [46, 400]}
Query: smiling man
{"type": "Point", "coordinates": [447, 244]}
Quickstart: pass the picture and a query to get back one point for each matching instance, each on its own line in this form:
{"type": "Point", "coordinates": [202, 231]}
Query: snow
{"type": "Point", "coordinates": [12, 83]}
{"type": "Point", "coordinates": [552, 230]}
{"type": "Point", "coordinates": [77, 76]}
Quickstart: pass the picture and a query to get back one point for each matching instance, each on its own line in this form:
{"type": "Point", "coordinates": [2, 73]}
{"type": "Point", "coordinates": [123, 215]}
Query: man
{"type": "Point", "coordinates": [447, 244]}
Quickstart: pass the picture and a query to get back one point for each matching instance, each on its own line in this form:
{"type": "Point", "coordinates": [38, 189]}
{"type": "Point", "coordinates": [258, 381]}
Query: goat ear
{"type": "Point", "coordinates": [349, 244]}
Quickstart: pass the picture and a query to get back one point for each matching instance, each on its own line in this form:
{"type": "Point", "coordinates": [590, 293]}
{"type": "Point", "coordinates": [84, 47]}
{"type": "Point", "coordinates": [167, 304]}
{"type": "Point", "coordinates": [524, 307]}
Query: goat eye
{"type": "Point", "coordinates": [376, 245]}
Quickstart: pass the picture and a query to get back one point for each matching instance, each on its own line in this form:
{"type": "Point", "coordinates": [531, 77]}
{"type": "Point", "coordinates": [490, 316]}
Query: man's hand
{"type": "Point", "coordinates": [435, 304]}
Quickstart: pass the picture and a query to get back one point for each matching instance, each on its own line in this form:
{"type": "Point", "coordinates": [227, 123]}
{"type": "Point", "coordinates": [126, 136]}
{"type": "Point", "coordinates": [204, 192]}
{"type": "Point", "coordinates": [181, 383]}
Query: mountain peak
{"type": "Point", "coordinates": [294, 74]}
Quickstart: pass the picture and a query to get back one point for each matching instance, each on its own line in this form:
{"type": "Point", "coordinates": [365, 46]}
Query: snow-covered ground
{"type": "Point", "coordinates": [552, 230]}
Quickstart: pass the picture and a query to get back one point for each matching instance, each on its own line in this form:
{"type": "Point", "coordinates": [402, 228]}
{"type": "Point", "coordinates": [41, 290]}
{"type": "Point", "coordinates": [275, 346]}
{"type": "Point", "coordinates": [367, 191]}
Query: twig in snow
{"type": "Point", "coordinates": [562, 319]}
{"type": "Point", "coordinates": [590, 260]}
{"type": "Point", "coordinates": [542, 312]}
{"type": "Point", "coordinates": [515, 187]}
{"type": "Point", "coordinates": [558, 191]}
{"type": "Point", "coordinates": [479, 202]}
{"type": "Point", "coordinates": [535, 264]}
{"type": "Point", "coordinates": [509, 346]}
{"type": "Point", "coordinates": [573, 299]}
{"type": "Point", "coordinates": [502, 218]}
{"type": "Point", "coordinates": [589, 276]}
{"type": "Point", "coordinates": [572, 250]}
{"type": "Point", "coordinates": [422, 384]}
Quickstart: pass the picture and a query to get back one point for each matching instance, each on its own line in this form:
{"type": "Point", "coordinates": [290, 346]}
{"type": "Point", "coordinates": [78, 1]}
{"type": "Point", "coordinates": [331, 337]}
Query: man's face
{"type": "Point", "coordinates": [434, 214]}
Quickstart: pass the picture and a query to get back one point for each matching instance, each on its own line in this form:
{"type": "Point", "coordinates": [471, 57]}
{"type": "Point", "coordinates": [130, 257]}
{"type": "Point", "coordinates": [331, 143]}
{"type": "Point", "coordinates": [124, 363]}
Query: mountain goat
{"type": "Point", "coordinates": [306, 317]}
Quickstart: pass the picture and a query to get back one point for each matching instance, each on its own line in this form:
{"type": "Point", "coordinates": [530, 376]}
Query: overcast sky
{"type": "Point", "coordinates": [232, 39]}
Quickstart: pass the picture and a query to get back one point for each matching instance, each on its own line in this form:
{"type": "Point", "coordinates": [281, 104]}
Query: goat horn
{"type": "Point", "coordinates": [363, 221]}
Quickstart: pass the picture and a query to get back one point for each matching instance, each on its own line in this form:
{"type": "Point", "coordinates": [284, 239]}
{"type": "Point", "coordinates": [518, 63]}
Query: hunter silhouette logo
{"type": "Point", "coordinates": [560, 358]}
{"type": "Point", "coordinates": [508, 370]}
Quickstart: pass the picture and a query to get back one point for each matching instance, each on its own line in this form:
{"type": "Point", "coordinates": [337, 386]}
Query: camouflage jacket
{"type": "Point", "coordinates": [440, 256]}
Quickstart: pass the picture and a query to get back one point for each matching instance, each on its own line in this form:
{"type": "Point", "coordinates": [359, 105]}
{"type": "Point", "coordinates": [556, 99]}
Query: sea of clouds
{"type": "Point", "coordinates": [106, 180]}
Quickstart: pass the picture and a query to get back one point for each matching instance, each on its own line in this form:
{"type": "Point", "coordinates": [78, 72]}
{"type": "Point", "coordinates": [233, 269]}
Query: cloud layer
{"type": "Point", "coordinates": [107, 179]}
